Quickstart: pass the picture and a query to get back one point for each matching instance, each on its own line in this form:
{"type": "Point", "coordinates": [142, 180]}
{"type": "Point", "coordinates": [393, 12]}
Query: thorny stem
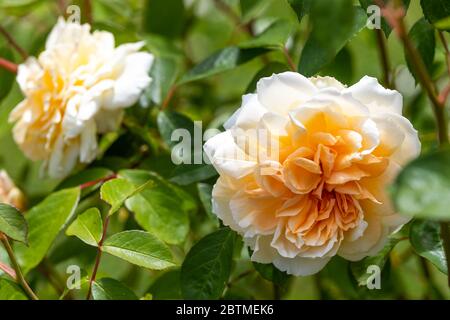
{"type": "Point", "coordinates": [19, 275]}
{"type": "Point", "coordinates": [13, 43]}
{"type": "Point", "coordinates": [382, 49]}
{"type": "Point", "coordinates": [99, 256]}
{"type": "Point", "coordinates": [394, 16]}
{"type": "Point", "coordinates": [8, 65]}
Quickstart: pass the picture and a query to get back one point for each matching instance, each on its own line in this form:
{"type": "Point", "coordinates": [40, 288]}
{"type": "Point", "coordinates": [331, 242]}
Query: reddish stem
{"type": "Point", "coordinates": [13, 43]}
{"type": "Point", "coordinates": [97, 181]}
{"type": "Point", "coordinates": [8, 65]}
{"type": "Point", "coordinates": [8, 270]}
{"type": "Point", "coordinates": [97, 259]}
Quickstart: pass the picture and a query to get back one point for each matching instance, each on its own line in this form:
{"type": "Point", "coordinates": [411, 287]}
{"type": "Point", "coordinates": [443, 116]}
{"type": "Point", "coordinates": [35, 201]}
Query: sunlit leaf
{"type": "Point", "coordinates": [87, 227]}
{"type": "Point", "coordinates": [11, 291]}
{"type": "Point", "coordinates": [110, 289]}
{"type": "Point", "coordinates": [13, 223]}
{"type": "Point", "coordinates": [45, 220]}
{"type": "Point", "coordinates": [140, 248]}
{"type": "Point", "coordinates": [163, 209]}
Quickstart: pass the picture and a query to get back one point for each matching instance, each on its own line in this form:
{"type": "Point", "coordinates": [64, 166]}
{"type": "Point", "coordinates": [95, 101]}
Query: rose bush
{"type": "Point", "coordinates": [226, 149]}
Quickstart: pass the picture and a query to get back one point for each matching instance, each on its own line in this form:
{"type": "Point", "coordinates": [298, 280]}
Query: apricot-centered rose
{"type": "Point", "coordinates": [324, 192]}
{"type": "Point", "coordinates": [76, 89]}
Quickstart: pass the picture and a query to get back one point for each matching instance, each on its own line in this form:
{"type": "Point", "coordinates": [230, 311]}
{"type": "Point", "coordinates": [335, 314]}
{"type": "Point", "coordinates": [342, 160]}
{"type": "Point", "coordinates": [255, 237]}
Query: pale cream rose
{"type": "Point", "coordinates": [76, 89]}
{"type": "Point", "coordinates": [9, 193]}
{"type": "Point", "coordinates": [324, 193]}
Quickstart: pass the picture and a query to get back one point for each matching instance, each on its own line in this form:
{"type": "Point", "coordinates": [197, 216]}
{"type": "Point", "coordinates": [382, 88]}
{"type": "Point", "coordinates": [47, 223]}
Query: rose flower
{"type": "Point", "coordinates": [323, 193]}
{"type": "Point", "coordinates": [76, 89]}
{"type": "Point", "coordinates": [9, 193]}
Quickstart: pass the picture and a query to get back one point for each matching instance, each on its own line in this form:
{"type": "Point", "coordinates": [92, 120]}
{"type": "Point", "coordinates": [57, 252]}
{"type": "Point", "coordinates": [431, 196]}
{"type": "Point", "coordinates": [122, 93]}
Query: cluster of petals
{"type": "Point", "coordinates": [75, 90]}
{"type": "Point", "coordinates": [323, 193]}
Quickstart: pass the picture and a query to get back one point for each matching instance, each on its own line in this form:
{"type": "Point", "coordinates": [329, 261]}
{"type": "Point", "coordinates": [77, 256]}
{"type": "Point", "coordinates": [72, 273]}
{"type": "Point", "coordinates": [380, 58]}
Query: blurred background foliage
{"type": "Point", "coordinates": [181, 34]}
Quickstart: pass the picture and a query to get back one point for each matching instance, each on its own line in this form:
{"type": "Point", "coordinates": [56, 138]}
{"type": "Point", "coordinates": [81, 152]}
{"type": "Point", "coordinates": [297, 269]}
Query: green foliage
{"type": "Point", "coordinates": [110, 289]}
{"type": "Point", "coordinates": [163, 209]}
{"type": "Point", "coordinates": [271, 273]}
{"type": "Point", "coordinates": [359, 269]}
{"type": "Point", "coordinates": [117, 191]}
{"type": "Point", "coordinates": [167, 286]}
{"type": "Point", "coordinates": [300, 7]}
{"type": "Point", "coordinates": [11, 291]}
{"type": "Point", "coordinates": [12, 223]}
{"type": "Point", "coordinates": [422, 36]}
{"type": "Point", "coordinates": [274, 35]}
{"type": "Point", "coordinates": [207, 267]}
{"type": "Point", "coordinates": [421, 189]}
{"type": "Point", "coordinates": [435, 10]}
{"type": "Point", "coordinates": [426, 241]}
{"type": "Point", "coordinates": [45, 220]}
{"type": "Point", "coordinates": [140, 248]}
{"type": "Point", "coordinates": [87, 227]}
{"type": "Point", "coordinates": [322, 46]}
{"type": "Point", "coordinates": [223, 60]}
{"type": "Point", "coordinates": [136, 209]}
{"type": "Point", "coordinates": [6, 77]}
{"type": "Point", "coordinates": [384, 24]}
{"type": "Point", "coordinates": [164, 17]}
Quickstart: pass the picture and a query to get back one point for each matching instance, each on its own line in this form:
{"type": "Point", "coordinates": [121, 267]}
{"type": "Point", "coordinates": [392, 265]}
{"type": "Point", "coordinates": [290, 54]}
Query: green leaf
{"type": "Point", "coordinates": [384, 24]}
{"type": "Point", "coordinates": [300, 7]}
{"type": "Point", "coordinates": [207, 267]}
{"type": "Point", "coordinates": [221, 61]}
{"type": "Point", "coordinates": [163, 73]}
{"type": "Point", "coordinates": [140, 248]}
{"type": "Point", "coordinates": [251, 8]}
{"type": "Point", "coordinates": [164, 17]}
{"type": "Point", "coordinates": [426, 241]}
{"type": "Point", "coordinates": [88, 227]}
{"type": "Point", "coordinates": [169, 121]}
{"type": "Point", "coordinates": [186, 174]}
{"type": "Point", "coordinates": [435, 10]}
{"type": "Point", "coordinates": [11, 291]}
{"type": "Point", "coordinates": [115, 192]}
{"type": "Point", "coordinates": [163, 209]}
{"type": "Point", "coordinates": [322, 45]}
{"type": "Point", "coordinates": [88, 175]}
{"type": "Point", "coordinates": [110, 289]}
{"type": "Point", "coordinates": [422, 188]}
{"type": "Point", "coordinates": [45, 220]}
{"type": "Point", "coordinates": [275, 35]}
{"type": "Point", "coordinates": [271, 273]}
{"type": "Point", "coordinates": [13, 223]}
{"type": "Point", "coordinates": [6, 77]}
{"type": "Point", "coordinates": [266, 71]}
{"type": "Point", "coordinates": [167, 286]}
{"type": "Point", "coordinates": [341, 67]}
{"type": "Point", "coordinates": [443, 24]}
{"type": "Point", "coordinates": [205, 195]}
{"type": "Point", "coordinates": [359, 269]}
{"type": "Point", "coordinates": [422, 36]}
